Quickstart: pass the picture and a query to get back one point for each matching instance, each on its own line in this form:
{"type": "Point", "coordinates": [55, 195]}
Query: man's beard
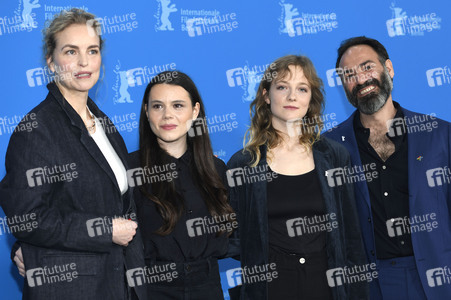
{"type": "Point", "coordinates": [375, 100]}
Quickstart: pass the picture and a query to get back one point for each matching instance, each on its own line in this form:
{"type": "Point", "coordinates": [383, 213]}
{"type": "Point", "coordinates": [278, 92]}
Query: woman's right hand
{"type": "Point", "coordinates": [18, 259]}
{"type": "Point", "coordinates": [123, 231]}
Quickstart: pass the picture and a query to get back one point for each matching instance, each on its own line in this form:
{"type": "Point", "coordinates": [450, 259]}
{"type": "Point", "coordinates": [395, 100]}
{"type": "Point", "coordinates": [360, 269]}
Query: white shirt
{"type": "Point", "coordinates": [111, 156]}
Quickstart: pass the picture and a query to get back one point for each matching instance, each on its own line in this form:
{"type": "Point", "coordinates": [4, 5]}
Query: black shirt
{"type": "Point", "coordinates": [186, 242]}
{"type": "Point", "coordinates": [296, 209]}
{"type": "Point", "coordinates": [389, 192]}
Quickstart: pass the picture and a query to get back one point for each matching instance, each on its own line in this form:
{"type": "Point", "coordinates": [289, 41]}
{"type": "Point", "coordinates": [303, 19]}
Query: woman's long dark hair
{"type": "Point", "coordinates": [169, 203]}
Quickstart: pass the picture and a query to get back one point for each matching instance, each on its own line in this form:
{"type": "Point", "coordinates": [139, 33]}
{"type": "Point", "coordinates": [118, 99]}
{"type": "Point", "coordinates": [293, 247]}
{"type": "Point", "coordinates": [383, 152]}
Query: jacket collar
{"type": "Point", "coordinates": [85, 138]}
{"type": "Point", "coordinates": [68, 109]}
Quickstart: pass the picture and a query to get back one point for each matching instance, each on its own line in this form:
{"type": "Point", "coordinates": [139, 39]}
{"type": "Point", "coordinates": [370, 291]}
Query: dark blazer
{"type": "Point", "coordinates": [65, 234]}
{"type": "Point", "coordinates": [344, 244]}
{"type": "Point", "coordinates": [426, 150]}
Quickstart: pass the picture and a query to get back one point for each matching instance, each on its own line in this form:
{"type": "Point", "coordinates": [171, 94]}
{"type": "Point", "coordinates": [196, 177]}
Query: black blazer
{"type": "Point", "coordinates": [83, 188]}
{"type": "Point", "coordinates": [344, 245]}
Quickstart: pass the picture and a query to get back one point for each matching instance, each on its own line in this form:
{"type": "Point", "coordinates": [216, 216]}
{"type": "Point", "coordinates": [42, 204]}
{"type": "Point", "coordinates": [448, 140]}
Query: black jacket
{"type": "Point", "coordinates": [83, 188]}
{"type": "Point", "coordinates": [343, 245]}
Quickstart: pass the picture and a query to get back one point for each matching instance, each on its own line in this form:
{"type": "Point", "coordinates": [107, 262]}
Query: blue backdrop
{"type": "Point", "coordinates": [224, 46]}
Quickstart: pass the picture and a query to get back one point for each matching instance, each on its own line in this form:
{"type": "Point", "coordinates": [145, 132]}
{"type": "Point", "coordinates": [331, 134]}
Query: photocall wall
{"type": "Point", "coordinates": [225, 46]}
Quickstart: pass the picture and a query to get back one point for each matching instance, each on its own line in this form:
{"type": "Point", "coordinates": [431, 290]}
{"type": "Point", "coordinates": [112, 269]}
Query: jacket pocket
{"type": "Point", "coordinates": [81, 263]}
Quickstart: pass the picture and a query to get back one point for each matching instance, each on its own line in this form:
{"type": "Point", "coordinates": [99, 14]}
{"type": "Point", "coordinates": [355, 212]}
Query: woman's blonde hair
{"type": "Point", "coordinates": [261, 131]}
{"type": "Point", "coordinates": [64, 20]}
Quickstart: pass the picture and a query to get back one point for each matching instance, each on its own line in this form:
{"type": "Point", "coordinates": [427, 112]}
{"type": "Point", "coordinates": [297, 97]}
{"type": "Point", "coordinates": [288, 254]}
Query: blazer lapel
{"type": "Point", "coordinates": [86, 140]}
{"type": "Point", "coordinates": [260, 204]}
{"type": "Point", "coordinates": [95, 152]}
{"type": "Point", "coordinates": [349, 141]}
{"type": "Point", "coordinates": [322, 165]}
{"type": "Point", "coordinates": [415, 148]}
{"type": "Point", "coordinates": [111, 132]}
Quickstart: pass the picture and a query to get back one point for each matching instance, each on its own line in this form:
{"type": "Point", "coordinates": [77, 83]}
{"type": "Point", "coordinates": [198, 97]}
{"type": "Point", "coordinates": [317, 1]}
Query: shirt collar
{"type": "Point", "coordinates": [185, 158]}
{"type": "Point", "coordinates": [397, 139]}
{"type": "Point", "coordinates": [358, 123]}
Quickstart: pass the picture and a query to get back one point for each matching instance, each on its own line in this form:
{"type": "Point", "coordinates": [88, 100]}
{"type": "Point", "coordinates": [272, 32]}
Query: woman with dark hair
{"type": "Point", "coordinates": [67, 177]}
{"type": "Point", "coordinates": [294, 225]}
{"type": "Point", "coordinates": [183, 210]}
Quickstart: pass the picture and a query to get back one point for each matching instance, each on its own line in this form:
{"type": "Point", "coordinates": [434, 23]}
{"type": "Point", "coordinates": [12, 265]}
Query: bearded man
{"type": "Point", "coordinates": [405, 210]}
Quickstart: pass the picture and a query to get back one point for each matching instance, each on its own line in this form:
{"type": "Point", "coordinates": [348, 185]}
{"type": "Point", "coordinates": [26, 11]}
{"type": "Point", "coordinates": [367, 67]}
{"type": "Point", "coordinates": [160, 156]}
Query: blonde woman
{"type": "Point", "coordinates": [83, 239]}
{"type": "Point", "coordinates": [279, 216]}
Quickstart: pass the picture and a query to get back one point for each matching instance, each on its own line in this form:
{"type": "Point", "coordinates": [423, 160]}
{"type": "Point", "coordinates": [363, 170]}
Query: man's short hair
{"type": "Point", "coordinates": [362, 40]}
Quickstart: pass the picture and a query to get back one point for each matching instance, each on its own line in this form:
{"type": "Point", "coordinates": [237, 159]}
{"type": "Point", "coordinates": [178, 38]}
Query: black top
{"type": "Point", "coordinates": [187, 242]}
{"type": "Point", "coordinates": [389, 192]}
{"type": "Point", "coordinates": [296, 212]}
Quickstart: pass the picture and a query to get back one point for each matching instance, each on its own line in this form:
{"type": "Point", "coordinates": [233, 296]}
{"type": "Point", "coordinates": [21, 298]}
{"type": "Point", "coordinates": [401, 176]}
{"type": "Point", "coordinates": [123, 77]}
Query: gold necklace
{"type": "Point", "coordinates": [93, 127]}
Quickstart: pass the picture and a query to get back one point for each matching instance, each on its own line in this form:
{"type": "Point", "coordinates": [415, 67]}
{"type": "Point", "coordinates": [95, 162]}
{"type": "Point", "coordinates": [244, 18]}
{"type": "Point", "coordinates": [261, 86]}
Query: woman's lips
{"type": "Point", "coordinates": [290, 107]}
{"type": "Point", "coordinates": [83, 75]}
{"type": "Point", "coordinates": [168, 127]}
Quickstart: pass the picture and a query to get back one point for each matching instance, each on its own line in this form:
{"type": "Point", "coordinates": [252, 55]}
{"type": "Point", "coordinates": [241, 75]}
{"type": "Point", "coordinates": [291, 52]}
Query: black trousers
{"type": "Point", "coordinates": [299, 276]}
{"type": "Point", "coordinates": [199, 280]}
